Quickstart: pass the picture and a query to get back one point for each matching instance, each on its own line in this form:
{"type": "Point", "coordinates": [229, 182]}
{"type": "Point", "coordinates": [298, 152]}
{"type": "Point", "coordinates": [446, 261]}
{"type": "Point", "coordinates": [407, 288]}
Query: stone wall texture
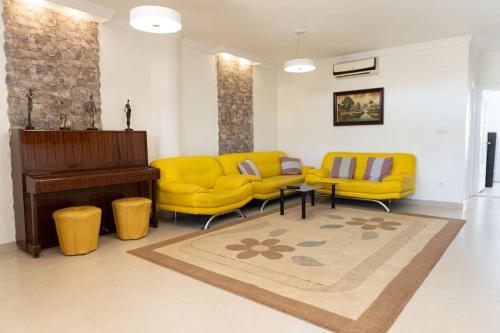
{"type": "Point", "coordinates": [57, 56]}
{"type": "Point", "coordinates": [235, 97]}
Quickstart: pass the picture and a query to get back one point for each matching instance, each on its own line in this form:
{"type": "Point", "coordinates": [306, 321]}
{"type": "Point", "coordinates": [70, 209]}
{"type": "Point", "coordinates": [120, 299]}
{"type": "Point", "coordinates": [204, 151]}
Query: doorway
{"type": "Point", "coordinates": [488, 182]}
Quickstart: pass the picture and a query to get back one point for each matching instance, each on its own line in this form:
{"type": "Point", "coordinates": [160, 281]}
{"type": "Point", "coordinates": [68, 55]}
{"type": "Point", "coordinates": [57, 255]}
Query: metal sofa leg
{"type": "Point", "coordinates": [321, 196]}
{"type": "Point", "coordinates": [210, 220]}
{"type": "Point", "coordinates": [386, 207]}
{"type": "Point", "coordinates": [264, 204]}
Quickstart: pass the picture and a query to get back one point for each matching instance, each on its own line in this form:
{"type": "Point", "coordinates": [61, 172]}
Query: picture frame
{"type": "Point", "coordinates": [358, 107]}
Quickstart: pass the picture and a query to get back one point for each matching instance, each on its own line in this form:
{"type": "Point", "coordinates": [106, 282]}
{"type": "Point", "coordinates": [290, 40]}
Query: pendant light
{"type": "Point", "coordinates": [299, 64]}
{"type": "Point", "coordinates": [155, 19]}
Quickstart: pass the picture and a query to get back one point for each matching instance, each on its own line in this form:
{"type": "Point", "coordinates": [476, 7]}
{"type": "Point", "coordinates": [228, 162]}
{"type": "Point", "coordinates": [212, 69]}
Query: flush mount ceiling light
{"type": "Point", "coordinates": [299, 64]}
{"type": "Point", "coordinates": [155, 19]}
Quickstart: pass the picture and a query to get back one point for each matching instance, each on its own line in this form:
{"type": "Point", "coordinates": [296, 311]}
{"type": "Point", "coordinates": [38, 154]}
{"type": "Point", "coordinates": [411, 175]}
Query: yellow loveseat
{"type": "Point", "coordinates": [400, 183]}
{"type": "Point", "coordinates": [196, 185]}
{"type": "Point", "coordinates": [267, 187]}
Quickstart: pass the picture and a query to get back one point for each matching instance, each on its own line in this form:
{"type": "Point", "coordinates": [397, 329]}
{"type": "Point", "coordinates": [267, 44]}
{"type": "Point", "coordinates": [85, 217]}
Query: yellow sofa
{"type": "Point", "coordinates": [196, 185]}
{"type": "Point", "coordinates": [400, 183]}
{"type": "Point", "coordinates": [267, 187]}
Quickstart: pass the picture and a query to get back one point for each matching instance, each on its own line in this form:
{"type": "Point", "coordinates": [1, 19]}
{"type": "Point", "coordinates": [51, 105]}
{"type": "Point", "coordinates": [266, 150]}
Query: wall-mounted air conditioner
{"type": "Point", "coordinates": [355, 67]}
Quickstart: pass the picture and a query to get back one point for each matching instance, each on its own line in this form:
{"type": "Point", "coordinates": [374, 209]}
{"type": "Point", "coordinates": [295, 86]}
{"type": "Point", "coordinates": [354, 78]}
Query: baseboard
{"type": "Point", "coordinates": [441, 204]}
{"type": "Point", "coordinates": [8, 247]}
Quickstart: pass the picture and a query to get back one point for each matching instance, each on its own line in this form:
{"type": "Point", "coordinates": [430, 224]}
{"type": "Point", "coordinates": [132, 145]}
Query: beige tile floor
{"type": "Point", "coordinates": [491, 191]}
{"type": "Point", "coordinates": [112, 291]}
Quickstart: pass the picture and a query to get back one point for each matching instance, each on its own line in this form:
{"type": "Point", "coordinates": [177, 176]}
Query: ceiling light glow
{"type": "Point", "coordinates": [155, 19]}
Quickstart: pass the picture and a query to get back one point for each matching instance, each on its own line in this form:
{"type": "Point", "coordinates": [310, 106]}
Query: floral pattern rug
{"type": "Point", "coordinates": [348, 270]}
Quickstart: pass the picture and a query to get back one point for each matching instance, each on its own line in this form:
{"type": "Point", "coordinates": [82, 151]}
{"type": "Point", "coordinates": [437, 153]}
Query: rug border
{"type": "Point", "coordinates": [379, 316]}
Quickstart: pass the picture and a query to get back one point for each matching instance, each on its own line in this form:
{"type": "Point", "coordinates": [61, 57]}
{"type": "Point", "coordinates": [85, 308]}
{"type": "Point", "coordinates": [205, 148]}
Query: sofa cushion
{"type": "Point", "coordinates": [209, 199]}
{"type": "Point", "coordinates": [365, 186]}
{"type": "Point", "coordinates": [247, 167]}
{"type": "Point", "coordinates": [218, 198]}
{"type": "Point", "coordinates": [377, 168]}
{"type": "Point", "coordinates": [290, 165]}
{"type": "Point", "coordinates": [343, 167]}
{"type": "Point", "coordinates": [273, 184]}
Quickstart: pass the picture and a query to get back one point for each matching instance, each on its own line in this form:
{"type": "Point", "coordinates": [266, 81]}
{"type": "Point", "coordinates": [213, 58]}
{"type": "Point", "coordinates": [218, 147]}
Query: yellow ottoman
{"type": "Point", "coordinates": [132, 217]}
{"type": "Point", "coordinates": [78, 229]}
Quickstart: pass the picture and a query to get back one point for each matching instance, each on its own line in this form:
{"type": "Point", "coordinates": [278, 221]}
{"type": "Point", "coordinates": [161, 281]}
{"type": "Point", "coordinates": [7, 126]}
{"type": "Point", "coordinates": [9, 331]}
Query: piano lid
{"type": "Point", "coordinates": [59, 151]}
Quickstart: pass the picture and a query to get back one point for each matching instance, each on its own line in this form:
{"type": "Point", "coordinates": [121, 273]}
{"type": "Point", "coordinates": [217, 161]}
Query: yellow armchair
{"type": "Point", "coordinates": [196, 185]}
{"type": "Point", "coordinates": [400, 183]}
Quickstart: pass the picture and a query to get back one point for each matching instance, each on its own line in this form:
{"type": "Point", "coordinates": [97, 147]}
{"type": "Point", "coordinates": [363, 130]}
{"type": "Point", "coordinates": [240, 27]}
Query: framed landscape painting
{"type": "Point", "coordinates": [358, 107]}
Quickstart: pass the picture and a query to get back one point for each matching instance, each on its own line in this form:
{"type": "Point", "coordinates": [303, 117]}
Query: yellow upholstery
{"type": "Point", "coordinates": [400, 183]}
{"type": "Point", "coordinates": [78, 229]}
{"type": "Point", "coordinates": [132, 217]}
{"type": "Point", "coordinates": [196, 185]}
{"type": "Point", "coordinates": [269, 167]}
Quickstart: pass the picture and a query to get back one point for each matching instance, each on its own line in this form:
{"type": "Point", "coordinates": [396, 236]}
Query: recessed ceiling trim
{"type": "Point", "coordinates": [400, 49]}
{"type": "Point", "coordinates": [93, 12]}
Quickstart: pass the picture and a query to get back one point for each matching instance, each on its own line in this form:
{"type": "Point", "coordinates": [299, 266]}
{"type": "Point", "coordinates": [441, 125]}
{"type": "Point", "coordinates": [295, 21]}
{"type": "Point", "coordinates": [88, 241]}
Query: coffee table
{"type": "Point", "coordinates": [303, 189]}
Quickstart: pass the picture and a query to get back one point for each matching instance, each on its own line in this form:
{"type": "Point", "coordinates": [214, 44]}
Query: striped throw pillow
{"type": "Point", "coordinates": [343, 167]}
{"type": "Point", "coordinates": [248, 167]}
{"type": "Point", "coordinates": [290, 165]}
{"type": "Point", "coordinates": [378, 168]}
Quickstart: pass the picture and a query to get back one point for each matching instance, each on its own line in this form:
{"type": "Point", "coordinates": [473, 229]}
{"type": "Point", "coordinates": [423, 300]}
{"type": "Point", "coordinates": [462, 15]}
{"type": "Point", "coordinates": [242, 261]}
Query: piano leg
{"type": "Point", "coordinates": [154, 215]}
{"type": "Point", "coordinates": [33, 245]}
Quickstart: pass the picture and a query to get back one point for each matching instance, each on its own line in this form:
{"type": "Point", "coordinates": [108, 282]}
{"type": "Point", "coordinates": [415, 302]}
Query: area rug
{"type": "Point", "coordinates": [347, 270]}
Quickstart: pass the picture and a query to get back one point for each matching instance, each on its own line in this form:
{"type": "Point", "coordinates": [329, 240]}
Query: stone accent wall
{"type": "Point", "coordinates": [235, 96]}
{"type": "Point", "coordinates": [57, 56]}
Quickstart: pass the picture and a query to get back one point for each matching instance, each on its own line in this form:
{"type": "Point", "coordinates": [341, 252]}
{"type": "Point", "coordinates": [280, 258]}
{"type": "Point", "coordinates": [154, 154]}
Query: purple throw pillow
{"type": "Point", "coordinates": [290, 165]}
{"type": "Point", "coordinates": [378, 168]}
{"type": "Point", "coordinates": [343, 167]}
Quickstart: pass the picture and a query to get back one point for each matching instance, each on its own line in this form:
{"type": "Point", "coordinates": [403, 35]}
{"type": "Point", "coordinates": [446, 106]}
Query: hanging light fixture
{"type": "Point", "coordinates": [155, 19]}
{"type": "Point", "coordinates": [299, 64]}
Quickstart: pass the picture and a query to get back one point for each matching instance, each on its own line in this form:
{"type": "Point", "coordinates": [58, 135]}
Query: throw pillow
{"type": "Point", "coordinates": [248, 167]}
{"type": "Point", "coordinates": [343, 167]}
{"type": "Point", "coordinates": [290, 165]}
{"type": "Point", "coordinates": [378, 168]}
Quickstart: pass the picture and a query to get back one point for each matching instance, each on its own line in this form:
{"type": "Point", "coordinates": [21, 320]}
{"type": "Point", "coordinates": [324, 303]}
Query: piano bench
{"type": "Point", "coordinates": [78, 229]}
{"type": "Point", "coordinates": [132, 217]}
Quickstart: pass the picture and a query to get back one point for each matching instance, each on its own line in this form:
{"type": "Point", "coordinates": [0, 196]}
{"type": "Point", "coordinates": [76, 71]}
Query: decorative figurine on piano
{"type": "Point", "coordinates": [63, 117]}
{"type": "Point", "coordinates": [92, 111]}
{"type": "Point", "coordinates": [128, 114]}
{"type": "Point", "coordinates": [29, 95]}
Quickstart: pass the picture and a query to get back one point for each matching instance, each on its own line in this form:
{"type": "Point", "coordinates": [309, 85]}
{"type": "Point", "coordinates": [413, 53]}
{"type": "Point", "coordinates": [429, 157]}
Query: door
{"type": "Point", "coordinates": [490, 159]}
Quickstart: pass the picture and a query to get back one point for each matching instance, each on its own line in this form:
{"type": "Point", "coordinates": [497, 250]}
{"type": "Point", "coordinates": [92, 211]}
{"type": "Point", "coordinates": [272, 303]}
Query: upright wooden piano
{"type": "Point", "coordinates": [58, 169]}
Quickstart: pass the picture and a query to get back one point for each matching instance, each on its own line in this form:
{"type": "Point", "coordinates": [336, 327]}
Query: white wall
{"type": "Point", "coordinates": [425, 114]}
{"type": "Point", "coordinates": [489, 70]}
{"type": "Point", "coordinates": [198, 99]}
{"type": "Point", "coordinates": [143, 68]}
{"type": "Point", "coordinates": [265, 107]}
{"type": "Point", "coordinates": [7, 227]}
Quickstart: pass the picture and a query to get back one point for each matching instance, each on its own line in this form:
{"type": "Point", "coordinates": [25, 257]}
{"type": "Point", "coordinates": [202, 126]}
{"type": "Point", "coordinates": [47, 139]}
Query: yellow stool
{"type": "Point", "coordinates": [132, 217]}
{"type": "Point", "coordinates": [78, 229]}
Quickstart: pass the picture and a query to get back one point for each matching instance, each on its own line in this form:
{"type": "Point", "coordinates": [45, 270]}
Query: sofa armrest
{"type": "Point", "coordinates": [405, 179]}
{"type": "Point", "coordinates": [179, 188]}
{"type": "Point", "coordinates": [306, 169]}
{"type": "Point", "coordinates": [232, 181]}
{"type": "Point", "coordinates": [321, 173]}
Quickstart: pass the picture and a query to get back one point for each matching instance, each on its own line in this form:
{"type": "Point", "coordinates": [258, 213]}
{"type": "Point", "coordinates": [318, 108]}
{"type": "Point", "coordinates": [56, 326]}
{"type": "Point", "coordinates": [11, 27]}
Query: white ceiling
{"type": "Point", "coordinates": [334, 27]}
